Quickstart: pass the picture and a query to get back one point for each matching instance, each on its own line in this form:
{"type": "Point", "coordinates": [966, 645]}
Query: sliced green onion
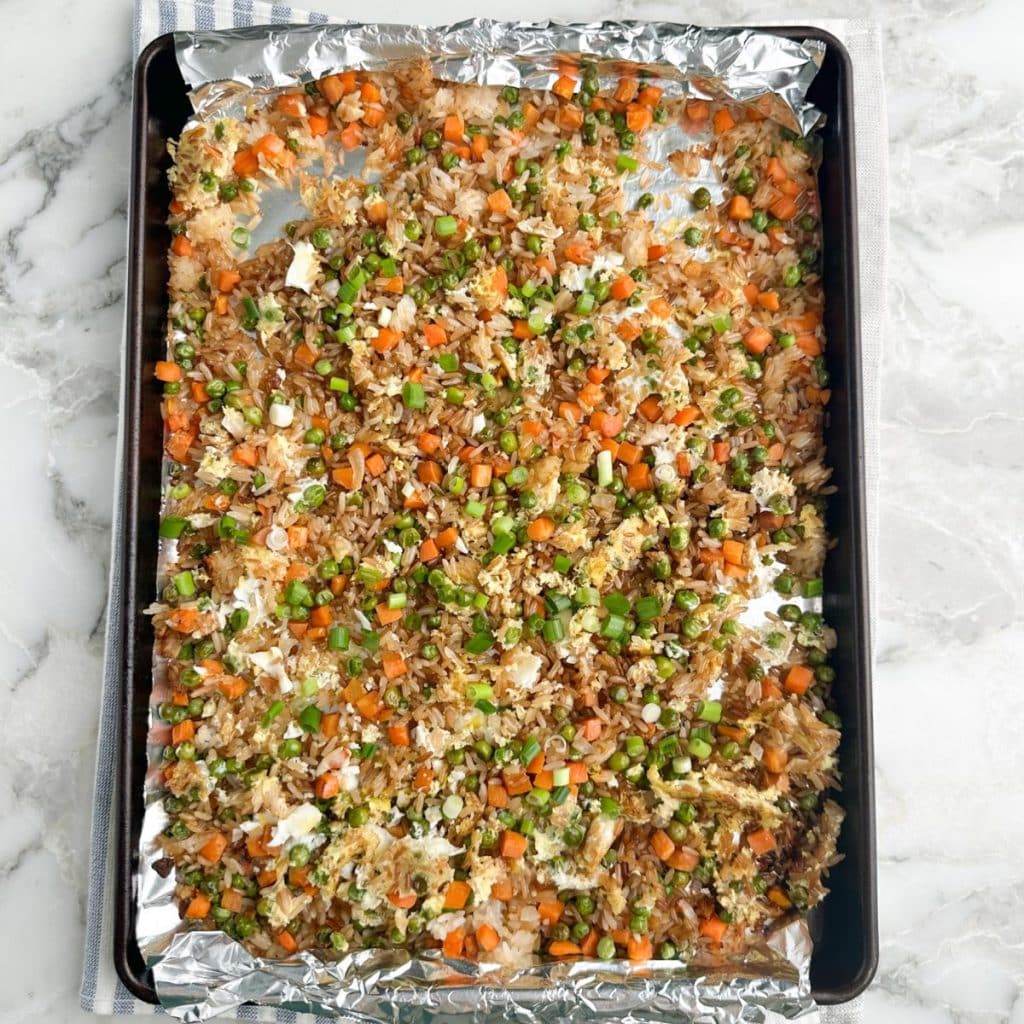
{"type": "Point", "coordinates": [604, 468]}
{"type": "Point", "coordinates": [184, 583]}
{"type": "Point", "coordinates": [445, 227]}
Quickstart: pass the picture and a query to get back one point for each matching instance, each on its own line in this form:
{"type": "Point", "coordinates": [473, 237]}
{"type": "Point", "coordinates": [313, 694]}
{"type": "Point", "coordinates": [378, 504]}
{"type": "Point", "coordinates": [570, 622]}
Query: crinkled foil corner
{"type": "Point", "coordinates": [201, 975]}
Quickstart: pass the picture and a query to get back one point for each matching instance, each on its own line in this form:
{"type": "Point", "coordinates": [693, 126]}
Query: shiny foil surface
{"type": "Point", "coordinates": [202, 974]}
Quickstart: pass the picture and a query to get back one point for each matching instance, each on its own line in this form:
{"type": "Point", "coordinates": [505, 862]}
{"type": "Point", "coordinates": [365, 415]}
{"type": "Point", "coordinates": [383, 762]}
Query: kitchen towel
{"type": "Point", "coordinates": [101, 991]}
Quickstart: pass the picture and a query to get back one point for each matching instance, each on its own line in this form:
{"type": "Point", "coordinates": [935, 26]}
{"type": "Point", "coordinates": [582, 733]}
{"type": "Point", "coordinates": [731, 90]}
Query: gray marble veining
{"type": "Point", "coordinates": [949, 596]}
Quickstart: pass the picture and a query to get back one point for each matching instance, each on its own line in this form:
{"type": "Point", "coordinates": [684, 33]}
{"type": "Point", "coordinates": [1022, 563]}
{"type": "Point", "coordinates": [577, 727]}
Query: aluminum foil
{"type": "Point", "coordinates": [767, 71]}
{"type": "Point", "coordinates": [200, 975]}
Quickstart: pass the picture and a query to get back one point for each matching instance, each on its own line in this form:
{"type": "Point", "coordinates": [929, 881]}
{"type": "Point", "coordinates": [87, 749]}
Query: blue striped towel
{"type": "Point", "coordinates": [102, 992]}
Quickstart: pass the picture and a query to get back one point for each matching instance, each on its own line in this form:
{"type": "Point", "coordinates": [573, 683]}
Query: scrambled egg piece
{"type": "Point", "coordinates": [620, 551]}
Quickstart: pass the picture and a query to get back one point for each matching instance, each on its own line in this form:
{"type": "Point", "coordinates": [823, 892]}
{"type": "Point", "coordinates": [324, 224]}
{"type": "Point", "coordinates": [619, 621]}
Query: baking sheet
{"type": "Point", "coordinates": [200, 974]}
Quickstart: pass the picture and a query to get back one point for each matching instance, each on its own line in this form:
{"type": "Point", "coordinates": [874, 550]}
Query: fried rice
{"type": "Point", "coordinates": [473, 476]}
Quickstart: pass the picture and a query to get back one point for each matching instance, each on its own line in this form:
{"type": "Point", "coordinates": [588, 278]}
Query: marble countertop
{"type": "Point", "coordinates": [951, 554]}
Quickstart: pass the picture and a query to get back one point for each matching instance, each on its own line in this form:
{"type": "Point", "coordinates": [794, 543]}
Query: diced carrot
{"type": "Point", "coordinates": [512, 845]}
{"type": "Point", "coordinates": [297, 571]}
{"type": "Point", "coordinates": [502, 890]}
{"type": "Point", "coordinates": [304, 355]}
{"type": "Point", "coordinates": [517, 783]}
{"type": "Point", "coordinates": [578, 773]}
{"type": "Point", "coordinates": [769, 301]}
{"type": "Point", "coordinates": [536, 764]}
{"type": "Point", "coordinates": [732, 550]}
{"type": "Point", "coordinates": [487, 938]}
{"type": "Point", "coordinates": [327, 785]}
{"type": "Point", "coordinates": [232, 687]}
{"type": "Point", "coordinates": [809, 344]}
{"type": "Point", "coordinates": [245, 455]}
{"type": "Point", "coordinates": [662, 845]}
{"type": "Point", "coordinates": [393, 285]}
{"type": "Point", "coordinates": [571, 117]}
{"type": "Point", "coordinates": [804, 322]}
{"type": "Point", "coordinates": [428, 443]}
{"type": "Point", "coordinates": [220, 304]}
{"type": "Point", "coordinates": [429, 550]}
{"type": "Point", "coordinates": [368, 705]}
{"type": "Point", "coordinates": [499, 201]}
{"type": "Point", "coordinates": [231, 899]}
{"type": "Point", "coordinates": [638, 118]}
{"type": "Point", "coordinates": [454, 943]}
{"type": "Point", "coordinates": [779, 897]}
{"type": "Point", "coordinates": [298, 536]}
{"type": "Point", "coordinates": [540, 529]}
{"type": "Point", "coordinates": [629, 454]}
{"type": "Point", "coordinates": [318, 124]}
{"type": "Point", "coordinates": [740, 208]}
{"type": "Point", "coordinates": [606, 423]}
{"type": "Point", "coordinates": [398, 734]}
{"type": "Point", "coordinates": [321, 616]}
{"type": "Point", "coordinates": [454, 128]}
{"type": "Point", "coordinates": [750, 292]}
{"type": "Point", "coordinates": [570, 411]}
{"type": "Point", "coordinates": [551, 911]}
{"type": "Point", "coordinates": [331, 89]}
{"type": "Point", "coordinates": [565, 87]}
{"type": "Point", "coordinates": [588, 947]}
{"type": "Point", "coordinates": [650, 409]}
{"type": "Point", "coordinates": [590, 729]}
{"type": "Point", "coordinates": [386, 340]}
{"type": "Point", "coordinates": [713, 928]}
{"type": "Point", "coordinates": [623, 287]}
{"type": "Point", "coordinates": [183, 620]}
{"type": "Point", "coordinates": [369, 92]}
{"type": "Point", "coordinates": [213, 849]}
{"type": "Point", "coordinates": [783, 208]}
{"type": "Point", "coordinates": [580, 253]}
{"type": "Point", "coordinates": [246, 163]}
{"type": "Point", "coordinates": [683, 464]}
{"type": "Point", "coordinates": [269, 146]}
{"type": "Point", "coordinates": [639, 478]}
{"type": "Point", "coordinates": [683, 859]}
{"type": "Point", "coordinates": [591, 394]}
{"type": "Point", "coordinates": [479, 145]}
{"type": "Point", "coordinates": [687, 415]}
{"type": "Point", "coordinates": [375, 464]}
{"type": "Point", "coordinates": [287, 941]}
{"type": "Point", "coordinates": [351, 135]}
{"type": "Point", "coordinates": [775, 170]}
{"type": "Point", "coordinates": [480, 475]}
{"type": "Point", "coordinates": [698, 110]}
{"type": "Point", "coordinates": [626, 90]}
{"type": "Point", "coordinates": [497, 795]}
{"type": "Point", "coordinates": [721, 451]}
{"type": "Point", "coordinates": [775, 759]}
{"type": "Point", "coordinates": [227, 280]}
{"type": "Point", "coordinates": [660, 308]}
{"type": "Point", "coordinates": [403, 902]}
{"type": "Point", "coordinates": [650, 96]}
{"type": "Point", "coordinates": [198, 907]}
{"type": "Point", "coordinates": [386, 615]}
{"type": "Point", "coordinates": [722, 121]}
{"type": "Point", "coordinates": [544, 779]}
{"type": "Point", "coordinates": [761, 842]}
{"type": "Point", "coordinates": [757, 339]}
{"type": "Point", "coordinates": [449, 537]}
{"type": "Point", "coordinates": [639, 947]}
{"type": "Point", "coordinates": [456, 895]}
{"type": "Point", "coordinates": [562, 947]}
{"type": "Point", "coordinates": [597, 374]}
{"type": "Point", "coordinates": [798, 679]}
{"type": "Point", "coordinates": [256, 844]}
{"type": "Point", "coordinates": [394, 666]}
{"type": "Point", "coordinates": [429, 472]}
{"type": "Point", "coordinates": [175, 206]}
{"type": "Point", "coordinates": [373, 117]}
{"type": "Point", "coordinates": [344, 476]}
{"type": "Point", "coordinates": [167, 372]}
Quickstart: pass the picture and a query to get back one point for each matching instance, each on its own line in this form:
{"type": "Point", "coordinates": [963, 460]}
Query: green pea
{"type": "Point", "coordinates": [701, 198]}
